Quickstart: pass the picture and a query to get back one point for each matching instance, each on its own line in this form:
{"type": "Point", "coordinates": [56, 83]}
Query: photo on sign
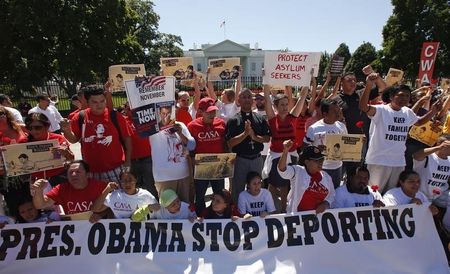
{"type": "Point", "coordinates": [214, 166]}
{"type": "Point", "coordinates": [181, 68]}
{"type": "Point", "coordinates": [31, 157]}
{"type": "Point", "coordinates": [118, 74]}
{"type": "Point", "coordinates": [224, 69]}
{"type": "Point", "coordinates": [427, 133]}
{"type": "Point", "coordinates": [344, 147]}
{"type": "Point", "coordinates": [394, 76]}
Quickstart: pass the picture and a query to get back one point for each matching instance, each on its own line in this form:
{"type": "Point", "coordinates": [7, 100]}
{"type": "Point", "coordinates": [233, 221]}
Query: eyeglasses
{"type": "Point", "coordinates": [35, 127]}
{"type": "Point", "coordinates": [2, 113]}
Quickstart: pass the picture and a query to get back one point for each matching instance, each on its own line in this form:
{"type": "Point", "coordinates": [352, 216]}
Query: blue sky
{"type": "Point", "coordinates": [301, 25]}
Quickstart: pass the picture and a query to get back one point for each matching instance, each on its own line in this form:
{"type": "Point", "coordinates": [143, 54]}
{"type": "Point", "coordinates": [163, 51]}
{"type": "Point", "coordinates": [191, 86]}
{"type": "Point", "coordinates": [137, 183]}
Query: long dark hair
{"type": "Point", "coordinates": [227, 213]}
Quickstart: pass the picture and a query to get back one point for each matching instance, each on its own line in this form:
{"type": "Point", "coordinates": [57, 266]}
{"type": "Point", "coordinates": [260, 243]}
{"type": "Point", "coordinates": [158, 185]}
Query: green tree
{"type": "Point", "coordinates": [412, 23]}
{"type": "Point", "coordinates": [323, 66]}
{"type": "Point", "coordinates": [363, 56]}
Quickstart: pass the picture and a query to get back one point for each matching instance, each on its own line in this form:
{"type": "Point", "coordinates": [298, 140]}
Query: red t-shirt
{"type": "Point", "coordinates": [101, 147]}
{"type": "Point", "coordinates": [281, 131]}
{"type": "Point", "coordinates": [62, 141]}
{"type": "Point", "coordinates": [208, 138]}
{"type": "Point", "coordinates": [76, 200]}
{"type": "Point", "coordinates": [72, 114]}
{"type": "Point", "coordinates": [183, 116]}
{"type": "Point", "coordinates": [300, 130]}
{"type": "Point", "coordinates": [141, 146]}
{"type": "Point", "coordinates": [314, 194]}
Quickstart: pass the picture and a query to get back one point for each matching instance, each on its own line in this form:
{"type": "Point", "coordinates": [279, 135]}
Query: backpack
{"type": "Point", "coordinates": [112, 115]}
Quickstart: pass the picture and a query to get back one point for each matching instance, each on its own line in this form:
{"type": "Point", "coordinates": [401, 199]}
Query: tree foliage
{"type": "Point", "coordinates": [72, 41]}
{"type": "Point", "coordinates": [364, 55]}
{"type": "Point", "coordinates": [343, 51]}
{"type": "Point", "coordinates": [325, 60]}
{"type": "Point", "coordinates": [412, 23]}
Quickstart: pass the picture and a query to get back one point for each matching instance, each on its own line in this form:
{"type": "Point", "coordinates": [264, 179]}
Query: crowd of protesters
{"type": "Point", "coordinates": [278, 137]}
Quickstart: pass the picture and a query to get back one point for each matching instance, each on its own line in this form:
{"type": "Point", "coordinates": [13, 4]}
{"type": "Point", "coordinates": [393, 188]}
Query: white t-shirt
{"type": "Point", "coordinates": [169, 154]}
{"type": "Point", "coordinates": [16, 114]}
{"type": "Point", "coordinates": [316, 134]}
{"type": "Point", "coordinates": [226, 111]}
{"type": "Point", "coordinates": [300, 181]}
{"type": "Point", "coordinates": [434, 178]}
{"type": "Point", "coordinates": [396, 196]}
{"type": "Point", "coordinates": [254, 205]}
{"type": "Point", "coordinates": [123, 204]}
{"type": "Point", "coordinates": [183, 213]}
{"type": "Point", "coordinates": [344, 198]}
{"type": "Point", "coordinates": [52, 114]}
{"type": "Point", "coordinates": [388, 132]}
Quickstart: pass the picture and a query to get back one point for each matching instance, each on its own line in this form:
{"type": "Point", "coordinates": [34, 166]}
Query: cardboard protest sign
{"type": "Point", "coordinates": [224, 69]}
{"type": "Point", "coordinates": [181, 68]}
{"type": "Point", "coordinates": [445, 84]}
{"type": "Point", "coordinates": [118, 74]}
{"type": "Point", "coordinates": [214, 166]}
{"type": "Point", "coordinates": [427, 60]}
{"type": "Point", "coordinates": [151, 99]}
{"type": "Point", "coordinates": [344, 147]}
{"type": "Point", "coordinates": [290, 68]}
{"type": "Point", "coordinates": [427, 133]}
{"type": "Point", "coordinates": [31, 157]}
{"type": "Point", "coordinates": [394, 76]}
{"type": "Point", "coordinates": [337, 65]}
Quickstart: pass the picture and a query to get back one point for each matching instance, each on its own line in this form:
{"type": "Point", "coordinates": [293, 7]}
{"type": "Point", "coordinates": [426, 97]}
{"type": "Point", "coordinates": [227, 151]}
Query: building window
{"type": "Point", "coordinates": [199, 67]}
{"type": "Point", "coordinates": [253, 68]}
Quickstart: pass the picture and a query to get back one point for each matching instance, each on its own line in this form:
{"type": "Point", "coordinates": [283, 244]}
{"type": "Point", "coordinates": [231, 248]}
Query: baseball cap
{"type": "Point", "coordinates": [167, 197]}
{"type": "Point", "coordinates": [312, 153]}
{"type": "Point", "coordinates": [261, 94]}
{"type": "Point", "coordinates": [207, 104]}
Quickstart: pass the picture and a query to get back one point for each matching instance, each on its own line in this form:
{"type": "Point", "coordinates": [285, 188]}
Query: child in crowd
{"type": "Point", "coordinates": [256, 201]}
{"type": "Point", "coordinates": [407, 191]}
{"type": "Point", "coordinates": [28, 213]}
{"type": "Point", "coordinates": [222, 207]}
{"type": "Point", "coordinates": [125, 200]}
{"type": "Point", "coordinates": [171, 208]}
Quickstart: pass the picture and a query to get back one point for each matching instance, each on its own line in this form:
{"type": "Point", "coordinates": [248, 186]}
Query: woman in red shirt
{"type": "Point", "coordinates": [282, 124]}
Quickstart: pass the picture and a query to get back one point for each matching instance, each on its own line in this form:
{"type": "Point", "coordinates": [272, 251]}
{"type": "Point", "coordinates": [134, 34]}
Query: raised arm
{"type": "Point", "coordinates": [288, 92]}
{"type": "Point", "coordinates": [364, 100]}
{"type": "Point", "coordinates": [334, 93]}
{"type": "Point", "coordinates": [421, 154]}
{"type": "Point", "coordinates": [98, 205]}
{"type": "Point", "coordinates": [196, 93]}
{"type": "Point", "coordinates": [39, 199]}
{"type": "Point", "coordinates": [300, 102]}
{"type": "Point", "coordinates": [268, 105]}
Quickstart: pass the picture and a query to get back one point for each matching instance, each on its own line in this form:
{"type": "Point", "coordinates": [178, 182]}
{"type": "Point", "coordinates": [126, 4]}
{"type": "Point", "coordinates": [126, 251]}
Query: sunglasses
{"type": "Point", "coordinates": [2, 113]}
{"type": "Point", "coordinates": [35, 127]}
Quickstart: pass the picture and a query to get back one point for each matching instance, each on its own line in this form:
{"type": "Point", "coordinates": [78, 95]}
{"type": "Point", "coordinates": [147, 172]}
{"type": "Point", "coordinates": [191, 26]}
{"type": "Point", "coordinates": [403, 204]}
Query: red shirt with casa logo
{"type": "Point", "coordinates": [208, 138]}
{"type": "Point", "coordinates": [101, 147]}
{"type": "Point", "coordinates": [76, 200]}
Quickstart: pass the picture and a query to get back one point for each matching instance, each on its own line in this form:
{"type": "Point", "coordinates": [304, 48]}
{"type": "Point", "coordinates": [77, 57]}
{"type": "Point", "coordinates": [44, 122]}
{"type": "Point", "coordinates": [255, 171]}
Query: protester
{"type": "Point", "coordinates": [78, 106]}
{"type": "Point", "coordinates": [256, 201]}
{"type": "Point", "coordinates": [27, 213]}
{"type": "Point", "coordinates": [357, 192]}
{"type": "Point", "coordinates": [208, 132]}
{"type": "Point", "coordinates": [282, 123]}
{"type": "Point", "coordinates": [390, 124]}
{"type": "Point", "coordinates": [182, 107]}
{"type": "Point", "coordinates": [311, 188]}
{"type": "Point", "coordinates": [5, 102]}
{"type": "Point", "coordinates": [10, 130]}
{"type": "Point", "coordinates": [76, 195]}
{"type": "Point", "coordinates": [124, 200]}
{"type": "Point", "coordinates": [104, 137]}
{"type": "Point", "coordinates": [245, 134]}
{"type": "Point", "coordinates": [171, 208]}
{"type": "Point", "coordinates": [221, 207]}
{"type": "Point", "coordinates": [48, 110]}
{"type": "Point", "coordinates": [38, 126]}
{"type": "Point", "coordinates": [316, 134]}
{"type": "Point", "coordinates": [170, 149]}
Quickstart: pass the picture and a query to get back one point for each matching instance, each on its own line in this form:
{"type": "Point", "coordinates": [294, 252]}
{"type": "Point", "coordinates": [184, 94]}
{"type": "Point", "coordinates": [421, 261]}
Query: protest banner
{"type": "Point", "coordinates": [223, 69]}
{"type": "Point", "coordinates": [181, 68]}
{"type": "Point", "coordinates": [344, 147]}
{"type": "Point", "coordinates": [118, 74]}
{"type": "Point", "coordinates": [337, 65]}
{"type": "Point", "coordinates": [151, 99]}
{"type": "Point", "coordinates": [427, 60]}
{"type": "Point", "coordinates": [427, 133]}
{"type": "Point", "coordinates": [367, 240]}
{"type": "Point", "coordinates": [290, 68]}
{"type": "Point", "coordinates": [214, 166]}
{"type": "Point", "coordinates": [31, 157]}
{"type": "Point", "coordinates": [394, 76]}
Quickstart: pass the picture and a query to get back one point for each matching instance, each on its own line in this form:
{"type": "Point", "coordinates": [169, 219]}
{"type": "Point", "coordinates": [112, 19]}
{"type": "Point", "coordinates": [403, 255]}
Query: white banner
{"type": "Point", "coordinates": [290, 68]}
{"type": "Point", "coordinates": [358, 240]}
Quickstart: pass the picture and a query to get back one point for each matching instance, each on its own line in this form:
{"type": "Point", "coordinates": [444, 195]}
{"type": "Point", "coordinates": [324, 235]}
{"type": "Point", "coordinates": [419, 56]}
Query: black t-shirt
{"type": "Point", "coordinates": [236, 126]}
{"type": "Point", "coordinates": [352, 113]}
